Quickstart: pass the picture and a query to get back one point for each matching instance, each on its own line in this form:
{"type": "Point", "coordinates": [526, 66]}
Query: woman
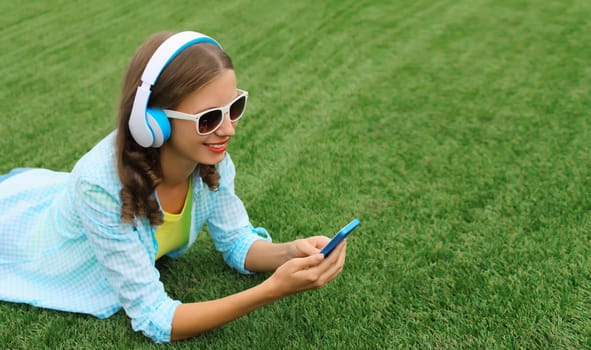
{"type": "Point", "coordinates": [87, 241]}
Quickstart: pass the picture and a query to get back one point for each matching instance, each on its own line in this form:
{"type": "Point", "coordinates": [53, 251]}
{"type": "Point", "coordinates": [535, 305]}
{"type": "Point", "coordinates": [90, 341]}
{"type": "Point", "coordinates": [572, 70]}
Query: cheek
{"type": "Point", "coordinates": [183, 129]}
{"type": "Point", "coordinates": [184, 134]}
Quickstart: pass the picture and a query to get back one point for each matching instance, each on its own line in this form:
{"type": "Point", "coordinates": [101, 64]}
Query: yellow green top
{"type": "Point", "coordinates": [174, 232]}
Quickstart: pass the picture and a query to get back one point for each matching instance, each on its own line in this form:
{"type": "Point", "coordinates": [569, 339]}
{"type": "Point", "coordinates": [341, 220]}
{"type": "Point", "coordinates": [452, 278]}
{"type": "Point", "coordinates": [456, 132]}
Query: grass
{"type": "Point", "coordinates": [458, 131]}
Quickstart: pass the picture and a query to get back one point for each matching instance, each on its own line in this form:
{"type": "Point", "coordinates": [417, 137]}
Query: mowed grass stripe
{"type": "Point", "coordinates": [488, 238]}
{"type": "Point", "coordinates": [340, 118]}
{"type": "Point", "coordinates": [52, 48]}
{"type": "Point", "coordinates": [458, 121]}
{"type": "Point", "coordinates": [452, 84]}
{"type": "Point", "coordinates": [528, 124]}
{"type": "Point", "coordinates": [356, 156]}
{"type": "Point", "coordinates": [321, 90]}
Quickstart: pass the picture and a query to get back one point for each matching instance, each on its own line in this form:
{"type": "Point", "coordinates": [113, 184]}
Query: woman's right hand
{"type": "Point", "coordinates": [312, 272]}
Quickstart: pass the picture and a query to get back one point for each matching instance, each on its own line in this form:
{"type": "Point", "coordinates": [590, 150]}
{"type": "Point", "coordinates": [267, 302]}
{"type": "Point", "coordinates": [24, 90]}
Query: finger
{"type": "Point", "coordinates": [321, 241]}
{"type": "Point", "coordinates": [308, 247]}
{"type": "Point", "coordinates": [334, 261]}
{"type": "Point", "coordinates": [338, 250]}
{"type": "Point", "coordinates": [334, 254]}
{"type": "Point", "coordinates": [329, 275]}
{"type": "Point", "coordinates": [307, 262]}
{"type": "Point", "coordinates": [338, 254]}
{"type": "Point", "coordinates": [335, 264]}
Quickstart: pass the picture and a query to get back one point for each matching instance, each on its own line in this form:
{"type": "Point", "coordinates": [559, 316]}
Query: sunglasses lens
{"type": "Point", "coordinates": [237, 108]}
{"type": "Point", "coordinates": [209, 121]}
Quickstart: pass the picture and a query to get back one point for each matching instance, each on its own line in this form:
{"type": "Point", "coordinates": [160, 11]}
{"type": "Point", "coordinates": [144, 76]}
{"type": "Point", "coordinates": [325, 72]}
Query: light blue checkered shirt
{"type": "Point", "coordinates": [63, 245]}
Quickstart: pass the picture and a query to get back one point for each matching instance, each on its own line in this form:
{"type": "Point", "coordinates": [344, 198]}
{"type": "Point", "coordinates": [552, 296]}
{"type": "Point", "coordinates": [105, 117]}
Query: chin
{"type": "Point", "coordinates": [212, 160]}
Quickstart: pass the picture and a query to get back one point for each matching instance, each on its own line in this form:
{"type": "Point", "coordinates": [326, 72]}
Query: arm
{"type": "Point", "coordinates": [294, 276]}
{"type": "Point", "coordinates": [246, 251]}
{"type": "Point", "coordinates": [232, 231]}
{"type": "Point", "coordinates": [194, 318]}
{"type": "Point", "coordinates": [126, 261]}
{"type": "Point", "coordinates": [265, 256]}
{"type": "Point", "coordinates": [241, 245]}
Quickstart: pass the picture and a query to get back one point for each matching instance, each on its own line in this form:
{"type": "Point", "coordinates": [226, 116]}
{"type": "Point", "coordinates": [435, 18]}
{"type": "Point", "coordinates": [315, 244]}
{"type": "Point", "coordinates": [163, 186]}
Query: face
{"type": "Point", "coordinates": [185, 142]}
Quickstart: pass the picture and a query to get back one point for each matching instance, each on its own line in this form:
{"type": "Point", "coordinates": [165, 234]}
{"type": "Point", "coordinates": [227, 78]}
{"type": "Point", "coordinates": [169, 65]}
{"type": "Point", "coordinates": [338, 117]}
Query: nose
{"type": "Point", "coordinates": [227, 128]}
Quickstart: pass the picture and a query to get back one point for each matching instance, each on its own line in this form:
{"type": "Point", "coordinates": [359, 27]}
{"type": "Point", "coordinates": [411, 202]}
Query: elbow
{"type": "Point", "coordinates": [157, 324]}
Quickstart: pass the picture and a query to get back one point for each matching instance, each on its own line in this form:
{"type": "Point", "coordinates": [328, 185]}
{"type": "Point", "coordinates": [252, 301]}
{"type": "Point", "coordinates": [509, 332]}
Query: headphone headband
{"type": "Point", "coordinates": [169, 49]}
{"type": "Point", "coordinates": [152, 129]}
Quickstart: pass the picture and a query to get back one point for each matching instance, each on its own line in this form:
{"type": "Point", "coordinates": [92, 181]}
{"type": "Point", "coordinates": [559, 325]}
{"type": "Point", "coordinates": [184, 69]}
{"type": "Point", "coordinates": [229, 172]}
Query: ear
{"type": "Point", "coordinates": [160, 125]}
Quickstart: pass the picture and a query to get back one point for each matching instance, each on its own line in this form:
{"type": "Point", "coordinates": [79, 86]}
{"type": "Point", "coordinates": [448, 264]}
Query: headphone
{"type": "Point", "coordinates": [150, 127]}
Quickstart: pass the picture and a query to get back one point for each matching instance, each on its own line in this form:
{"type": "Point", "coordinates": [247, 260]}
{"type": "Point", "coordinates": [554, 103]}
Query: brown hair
{"type": "Point", "coordinates": [138, 167]}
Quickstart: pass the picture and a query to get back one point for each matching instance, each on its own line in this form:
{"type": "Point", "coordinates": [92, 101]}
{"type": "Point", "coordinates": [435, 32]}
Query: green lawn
{"type": "Point", "coordinates": [457, 131]}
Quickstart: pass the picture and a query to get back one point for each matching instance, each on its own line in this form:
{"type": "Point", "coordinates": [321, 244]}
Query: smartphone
{"type": "Point", "coordinates": [342, 234]}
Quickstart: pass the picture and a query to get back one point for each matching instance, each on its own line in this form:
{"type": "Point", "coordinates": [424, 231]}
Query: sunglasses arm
{"type": "Point", "coordinates": [179, 115]}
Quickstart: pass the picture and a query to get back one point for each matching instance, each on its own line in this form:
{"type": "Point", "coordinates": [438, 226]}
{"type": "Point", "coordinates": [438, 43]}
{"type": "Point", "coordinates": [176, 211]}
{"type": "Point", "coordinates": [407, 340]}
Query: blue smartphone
{"type": "Point", "coordinates": [342, 234]}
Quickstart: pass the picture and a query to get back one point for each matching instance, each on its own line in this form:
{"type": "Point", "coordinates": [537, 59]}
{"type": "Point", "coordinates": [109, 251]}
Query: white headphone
{"type": "Point", "coordinates": [150, 127]}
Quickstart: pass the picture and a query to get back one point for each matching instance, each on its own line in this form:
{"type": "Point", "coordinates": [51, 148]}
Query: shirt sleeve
{"type": "Point", "coordinates": [228, 221]}
{"type": "Point", "coordinates": [124, 257]}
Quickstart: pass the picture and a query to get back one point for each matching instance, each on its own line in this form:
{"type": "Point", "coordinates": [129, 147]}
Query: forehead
{"type": "Point", "coordinates": [218, 92]}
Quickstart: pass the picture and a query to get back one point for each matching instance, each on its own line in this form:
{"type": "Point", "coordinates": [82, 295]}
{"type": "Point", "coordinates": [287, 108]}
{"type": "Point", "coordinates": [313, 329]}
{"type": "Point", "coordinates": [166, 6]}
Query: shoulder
{"type": "Point", "coordinates": [226, 170]}
{"type": "Point", "coordinates": [99, 166]}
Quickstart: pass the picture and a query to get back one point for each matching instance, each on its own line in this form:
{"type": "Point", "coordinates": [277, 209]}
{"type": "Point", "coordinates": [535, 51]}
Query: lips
{"type": "Point", "coordinates": [217, 147]}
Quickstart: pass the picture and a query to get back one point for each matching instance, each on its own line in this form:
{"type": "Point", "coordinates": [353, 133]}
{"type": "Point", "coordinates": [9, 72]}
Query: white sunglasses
{"type": "Point", "coordinates": [207, 122]}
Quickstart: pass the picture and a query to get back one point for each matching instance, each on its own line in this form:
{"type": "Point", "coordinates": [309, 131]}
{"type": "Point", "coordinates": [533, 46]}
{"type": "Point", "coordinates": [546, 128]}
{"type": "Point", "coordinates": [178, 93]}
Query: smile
{"type": "Point", "coordinates": [216, 147]}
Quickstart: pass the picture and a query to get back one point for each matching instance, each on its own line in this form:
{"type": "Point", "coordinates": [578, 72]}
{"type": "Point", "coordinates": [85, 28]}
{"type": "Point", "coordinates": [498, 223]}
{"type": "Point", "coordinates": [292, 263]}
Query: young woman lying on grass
{"type": "Point", "coordinates": [87, 241]}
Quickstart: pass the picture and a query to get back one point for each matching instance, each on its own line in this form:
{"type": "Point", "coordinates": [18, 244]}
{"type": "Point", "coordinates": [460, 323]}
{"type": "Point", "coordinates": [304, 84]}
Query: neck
{"type": "Point", "coordinates": [176, 170]}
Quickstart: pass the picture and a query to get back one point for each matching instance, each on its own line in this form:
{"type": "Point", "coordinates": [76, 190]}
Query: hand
{"type": "Point", "coordinates": [307, 246]}
{"type": "Point", "coordinates": [311, 272]}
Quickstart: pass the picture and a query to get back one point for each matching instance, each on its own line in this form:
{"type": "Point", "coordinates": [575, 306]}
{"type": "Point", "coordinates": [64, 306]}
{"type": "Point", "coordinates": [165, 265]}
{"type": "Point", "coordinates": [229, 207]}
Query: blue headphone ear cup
{"type": "Point", "coordinates": [160, 125]}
